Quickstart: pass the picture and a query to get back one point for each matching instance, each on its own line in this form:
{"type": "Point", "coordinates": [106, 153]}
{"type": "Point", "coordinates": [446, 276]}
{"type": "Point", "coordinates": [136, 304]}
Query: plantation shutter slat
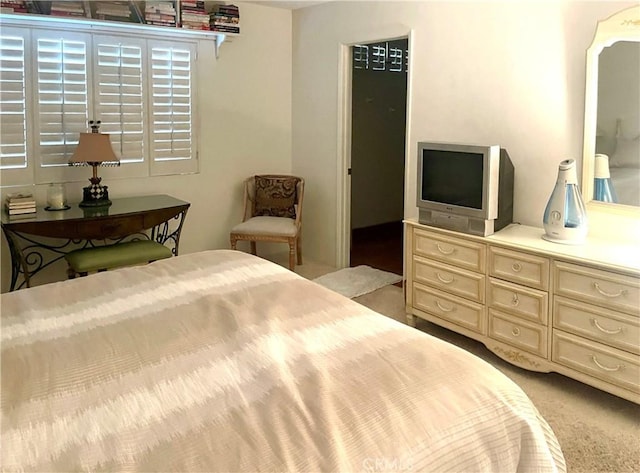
{"type": "Point", "coordinates": [13, 150]}
{"type": "Point", "coordinates": [120, 95]}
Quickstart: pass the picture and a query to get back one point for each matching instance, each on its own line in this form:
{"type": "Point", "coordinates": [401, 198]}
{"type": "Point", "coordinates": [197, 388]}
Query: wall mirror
{"type": "Point", "coordinates": [612, 114]}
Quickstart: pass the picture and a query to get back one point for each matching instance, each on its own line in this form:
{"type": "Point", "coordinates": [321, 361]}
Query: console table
{"type": "Point", "coordinates": [154, 217]}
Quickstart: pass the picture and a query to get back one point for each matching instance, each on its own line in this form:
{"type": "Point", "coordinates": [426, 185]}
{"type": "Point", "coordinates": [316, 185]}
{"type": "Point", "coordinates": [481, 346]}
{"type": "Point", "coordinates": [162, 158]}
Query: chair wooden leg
{"type": "Point", "coordinates": [292, 254]}
{"type": "Point", "coordinates": [234, 242]}
{"type": "Point", "coordinates": [253, 248]}
{"type": "Point", "coordinates": [299, 249]}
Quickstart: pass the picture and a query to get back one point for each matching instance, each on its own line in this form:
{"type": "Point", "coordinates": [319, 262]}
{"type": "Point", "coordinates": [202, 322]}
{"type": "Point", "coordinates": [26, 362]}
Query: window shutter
{"type": "Point", "coordinates": [13, 105]}
{"type": "Point", "coordinates": [118, 71]}
{"type": "Point", "coordinates": [62, 107]}
{"type": "Point", "coordinates": [53, 81]}
{"type": "Point", "coordinates": [172, 129]}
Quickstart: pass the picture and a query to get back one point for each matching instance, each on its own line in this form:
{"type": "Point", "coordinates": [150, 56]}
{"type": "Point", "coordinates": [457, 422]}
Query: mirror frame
{"type": "Point", "coordinates": [621, 26]}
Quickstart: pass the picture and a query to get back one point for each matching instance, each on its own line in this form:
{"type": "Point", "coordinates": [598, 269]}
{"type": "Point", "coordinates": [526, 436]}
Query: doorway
{"type": "Point", "coordinates": [378, 137]}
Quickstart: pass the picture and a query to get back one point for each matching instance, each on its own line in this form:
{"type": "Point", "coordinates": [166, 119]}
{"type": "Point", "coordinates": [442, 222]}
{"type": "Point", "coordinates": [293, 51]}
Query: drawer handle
{"type": "Point", "coordinates": [444, 280]}
{"type": "Point", "coordinates": [444, 308]}
{"type": "Point", "coordinates": [443, 251]}
{"type": "Point", "coordinates": [595, 323]}
{"type": "Point", "coordinates": [517, 267]}
{"type": "Point", "coordinates": [515, 301]}
{"type": "Point", "coordinates": [515, 331]}
{"type": "Point", "coordinates": [621, 292]}
{"type": "Point", "coordinates": [605, 368]}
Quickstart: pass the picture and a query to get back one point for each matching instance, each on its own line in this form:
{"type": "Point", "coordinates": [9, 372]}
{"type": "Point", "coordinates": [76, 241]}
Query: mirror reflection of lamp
{"type": "Point", "coordinates": [94, 149]}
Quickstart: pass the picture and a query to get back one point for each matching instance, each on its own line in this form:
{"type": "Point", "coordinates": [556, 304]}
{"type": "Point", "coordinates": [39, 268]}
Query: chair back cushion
{"type": "Point", "coordinates": [275, 196]}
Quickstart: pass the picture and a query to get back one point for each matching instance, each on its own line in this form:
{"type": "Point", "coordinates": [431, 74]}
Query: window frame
{"type": "Point", "coordinates": [34, 172]}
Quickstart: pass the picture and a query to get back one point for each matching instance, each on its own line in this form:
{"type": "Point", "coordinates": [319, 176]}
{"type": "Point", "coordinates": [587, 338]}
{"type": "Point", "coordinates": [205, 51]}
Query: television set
{"type": "Point", "coordinates": [465, 187]}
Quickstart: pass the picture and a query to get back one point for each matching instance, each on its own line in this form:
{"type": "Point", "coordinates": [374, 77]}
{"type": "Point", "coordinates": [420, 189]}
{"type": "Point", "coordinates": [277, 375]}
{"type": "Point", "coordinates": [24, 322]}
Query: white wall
{"type": "Point", "coordinates": [511, 73]}
{"type": "Point", "coordinates": [245, 128]}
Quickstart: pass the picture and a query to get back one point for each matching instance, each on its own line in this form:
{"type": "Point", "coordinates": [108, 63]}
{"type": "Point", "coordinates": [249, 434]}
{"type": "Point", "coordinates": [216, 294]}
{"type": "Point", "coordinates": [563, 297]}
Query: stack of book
{"type": "Point", "coordinates": [160, 13]}
{"type": "Point", "coordinates": [226, 19]}
{"type": "Point", "coordinates": [20, 204]}
{"type": "Point", "coordinates": [13, 6]}
{"type": "Point", "coordinates": [116, 11]}
{"type": "Point", "coordinates": [193, 15]}
{"type": "Point", "coordinates": [70, 8]}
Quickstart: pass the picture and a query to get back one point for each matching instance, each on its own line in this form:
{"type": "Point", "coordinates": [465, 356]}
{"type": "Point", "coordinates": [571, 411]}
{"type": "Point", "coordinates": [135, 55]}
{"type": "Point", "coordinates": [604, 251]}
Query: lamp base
{"type": "Point", "coordinates": [95, 195]}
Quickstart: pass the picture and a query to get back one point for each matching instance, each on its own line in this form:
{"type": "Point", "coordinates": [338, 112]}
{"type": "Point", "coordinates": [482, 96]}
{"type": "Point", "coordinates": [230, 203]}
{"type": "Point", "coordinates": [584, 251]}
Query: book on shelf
{"type": "Point", "coordinates": [13, 6]}
{"type": "Point", "coordinates": [116, 11]}
{"type": "Point", "coordinates": [69, 8]}
{"type": "Point", "coordinates": [225, 19]}
{"type": "Point", "coordinates": [164, 9]}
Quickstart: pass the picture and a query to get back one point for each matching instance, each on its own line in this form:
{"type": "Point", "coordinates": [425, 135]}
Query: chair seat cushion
{"type": "Point", "coordinates": [276, 226]}
{"type": "Point", "coordinates": [114, 256]}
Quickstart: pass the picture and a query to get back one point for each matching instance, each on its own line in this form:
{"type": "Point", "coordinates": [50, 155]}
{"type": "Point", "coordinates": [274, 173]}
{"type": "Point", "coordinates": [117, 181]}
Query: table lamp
{"type": "Point", "coordinates": [94, 149]}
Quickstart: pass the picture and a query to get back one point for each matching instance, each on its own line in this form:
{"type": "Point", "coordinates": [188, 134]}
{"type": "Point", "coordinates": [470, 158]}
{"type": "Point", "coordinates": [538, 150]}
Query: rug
{"type": "Point", "coordinates": [354, 282]}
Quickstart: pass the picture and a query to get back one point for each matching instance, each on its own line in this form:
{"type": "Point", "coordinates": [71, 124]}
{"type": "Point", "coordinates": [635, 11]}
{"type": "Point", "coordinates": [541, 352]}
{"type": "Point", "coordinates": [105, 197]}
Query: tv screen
{"type": "Point", "coordinates": [452, 177]}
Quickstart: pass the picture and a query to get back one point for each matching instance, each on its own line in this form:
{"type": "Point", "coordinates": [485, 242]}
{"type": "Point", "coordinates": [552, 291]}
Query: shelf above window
{"type": "Point", "coordinates": [111, 27]}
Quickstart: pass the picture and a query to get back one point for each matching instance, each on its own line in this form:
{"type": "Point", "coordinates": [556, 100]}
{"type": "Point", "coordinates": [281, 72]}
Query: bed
{"type": "Point", "coordinates": [222, 361]}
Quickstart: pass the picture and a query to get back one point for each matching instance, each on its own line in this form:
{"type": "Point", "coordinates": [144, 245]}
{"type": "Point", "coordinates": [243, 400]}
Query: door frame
{"type": "Point", "coordinates": [343, 180]}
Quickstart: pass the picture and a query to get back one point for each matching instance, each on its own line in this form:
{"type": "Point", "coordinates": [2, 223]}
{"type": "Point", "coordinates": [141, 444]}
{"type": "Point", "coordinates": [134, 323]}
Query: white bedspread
{"type": "Point", "coordinates": [221, 361]}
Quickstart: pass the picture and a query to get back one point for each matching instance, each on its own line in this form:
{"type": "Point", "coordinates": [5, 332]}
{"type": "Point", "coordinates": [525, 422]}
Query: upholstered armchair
{"type": "Point", "coordinates": [272, 213]}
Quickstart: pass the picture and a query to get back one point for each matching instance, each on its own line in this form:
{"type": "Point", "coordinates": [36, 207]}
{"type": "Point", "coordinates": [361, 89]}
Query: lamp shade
{"type": "Point", "coordinates": [94, 148]}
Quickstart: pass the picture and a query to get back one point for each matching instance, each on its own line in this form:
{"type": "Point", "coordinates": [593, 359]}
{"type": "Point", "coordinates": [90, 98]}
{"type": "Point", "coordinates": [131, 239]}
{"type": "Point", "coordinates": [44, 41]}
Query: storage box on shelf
{"type": "Point", "coordinates": [539, 305]}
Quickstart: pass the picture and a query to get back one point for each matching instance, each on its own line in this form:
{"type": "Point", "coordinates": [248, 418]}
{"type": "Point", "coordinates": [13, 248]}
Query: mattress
{"type": "Point", "coordinates": [222, 361]}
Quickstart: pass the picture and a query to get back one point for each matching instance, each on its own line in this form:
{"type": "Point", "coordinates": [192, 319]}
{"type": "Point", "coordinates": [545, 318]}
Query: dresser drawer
{"type": "Point", "coordinates": [448, 307]}
{"type": "Point", "coordinates": [449, 278]}
{"type": "Point", "coordinates": [602, 362]}
{"type": "Point", "coordinates": [598, 324]}
{"type": "Point", "coordinates": [521, 268]}
{"type": "Point", "coordinates": [614, 291]}
{"type": "Point", "coordinates": [456, 251]}
{"type": "Point", "coordinates": [518, 333]}
{"type": "Point", "coordinates": [518, 300]}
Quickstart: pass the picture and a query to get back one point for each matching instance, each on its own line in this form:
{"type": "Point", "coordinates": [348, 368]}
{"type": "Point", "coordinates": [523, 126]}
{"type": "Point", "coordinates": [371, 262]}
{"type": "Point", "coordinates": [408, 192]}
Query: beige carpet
{"type": "Point", "coordinates": [598, 432]}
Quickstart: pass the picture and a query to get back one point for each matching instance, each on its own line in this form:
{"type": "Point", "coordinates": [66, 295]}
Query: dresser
{"type": "Point", "coordinates": [543, 306]}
